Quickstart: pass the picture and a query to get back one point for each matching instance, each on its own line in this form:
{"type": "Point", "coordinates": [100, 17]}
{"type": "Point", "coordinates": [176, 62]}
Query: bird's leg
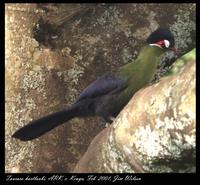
{"type": "Point", "coordinates": [112, 118]}
{"type": "Point", "coordinates": [108, 120]}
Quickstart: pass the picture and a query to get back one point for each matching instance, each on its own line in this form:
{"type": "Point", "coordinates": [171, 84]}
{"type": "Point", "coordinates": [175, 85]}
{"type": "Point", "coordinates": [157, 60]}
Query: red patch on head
{"type": "Point", "coordinates": [161, 43]}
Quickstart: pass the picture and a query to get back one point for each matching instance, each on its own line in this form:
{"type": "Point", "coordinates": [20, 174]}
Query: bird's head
{"type": "Point", "coordinates": [162, 38]}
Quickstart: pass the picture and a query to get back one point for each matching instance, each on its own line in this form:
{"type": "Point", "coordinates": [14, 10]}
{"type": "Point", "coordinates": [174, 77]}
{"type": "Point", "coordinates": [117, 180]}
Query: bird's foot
{"type": "Point", "coordinates": [107, 124]}
{"type": "Point", "coordinates": [109, 120]}
{"type": "Point", "coordinates": [112, 118]}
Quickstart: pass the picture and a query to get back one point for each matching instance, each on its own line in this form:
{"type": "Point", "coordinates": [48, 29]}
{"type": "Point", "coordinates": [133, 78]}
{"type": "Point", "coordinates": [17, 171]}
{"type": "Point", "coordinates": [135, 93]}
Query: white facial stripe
{"type": "Point", "coordinates": [166, 42]}
{"type": "Point", "coordinates": [156, 45]}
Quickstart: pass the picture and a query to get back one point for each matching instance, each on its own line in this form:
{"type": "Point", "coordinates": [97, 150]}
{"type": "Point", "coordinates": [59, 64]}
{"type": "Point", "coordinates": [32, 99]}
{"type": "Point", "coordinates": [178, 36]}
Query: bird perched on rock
{"type": "Point", "coordinates": [107, 96]}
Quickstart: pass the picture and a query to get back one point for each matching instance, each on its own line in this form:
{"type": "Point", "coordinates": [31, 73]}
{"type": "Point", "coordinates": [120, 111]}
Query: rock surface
{"type": "Point", "coordinates": [45, 72]}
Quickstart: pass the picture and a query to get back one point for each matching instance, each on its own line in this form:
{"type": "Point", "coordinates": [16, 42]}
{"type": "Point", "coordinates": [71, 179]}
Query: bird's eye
{"type": "Point", "coordinates": [166, 42]}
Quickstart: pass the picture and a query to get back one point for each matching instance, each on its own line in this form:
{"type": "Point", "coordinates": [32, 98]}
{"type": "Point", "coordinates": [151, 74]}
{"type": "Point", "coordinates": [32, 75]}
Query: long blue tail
{"type": "Point", "coordinates": [40, 126]}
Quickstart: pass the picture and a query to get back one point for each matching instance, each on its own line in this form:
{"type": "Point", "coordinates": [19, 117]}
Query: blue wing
{"type": "Point", "coordinates": [107, 84]}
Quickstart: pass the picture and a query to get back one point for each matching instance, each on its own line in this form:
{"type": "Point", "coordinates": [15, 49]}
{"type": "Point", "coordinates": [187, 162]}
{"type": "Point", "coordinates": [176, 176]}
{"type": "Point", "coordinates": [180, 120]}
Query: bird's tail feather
{"type": "Point", "coordinates": [40, 126]}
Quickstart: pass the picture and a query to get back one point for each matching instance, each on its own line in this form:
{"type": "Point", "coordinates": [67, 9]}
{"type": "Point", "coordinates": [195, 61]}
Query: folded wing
{"type": "Point", "coordinates": [107, 84]}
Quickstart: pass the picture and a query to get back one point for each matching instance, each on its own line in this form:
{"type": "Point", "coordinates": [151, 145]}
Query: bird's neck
{"type": "Point", "coordinates": [147, 58]}
{"type": "Point", "coordinates": [149, 52]}
{"type": "Point", "coordinates": [148, 61]}
{"type": "Point", "coordinates": [145, 65]}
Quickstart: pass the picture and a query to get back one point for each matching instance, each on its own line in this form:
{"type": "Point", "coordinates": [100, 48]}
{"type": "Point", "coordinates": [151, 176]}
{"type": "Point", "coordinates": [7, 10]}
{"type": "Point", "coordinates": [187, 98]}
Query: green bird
{"type": "Point", "coordinates": [107, 96]}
